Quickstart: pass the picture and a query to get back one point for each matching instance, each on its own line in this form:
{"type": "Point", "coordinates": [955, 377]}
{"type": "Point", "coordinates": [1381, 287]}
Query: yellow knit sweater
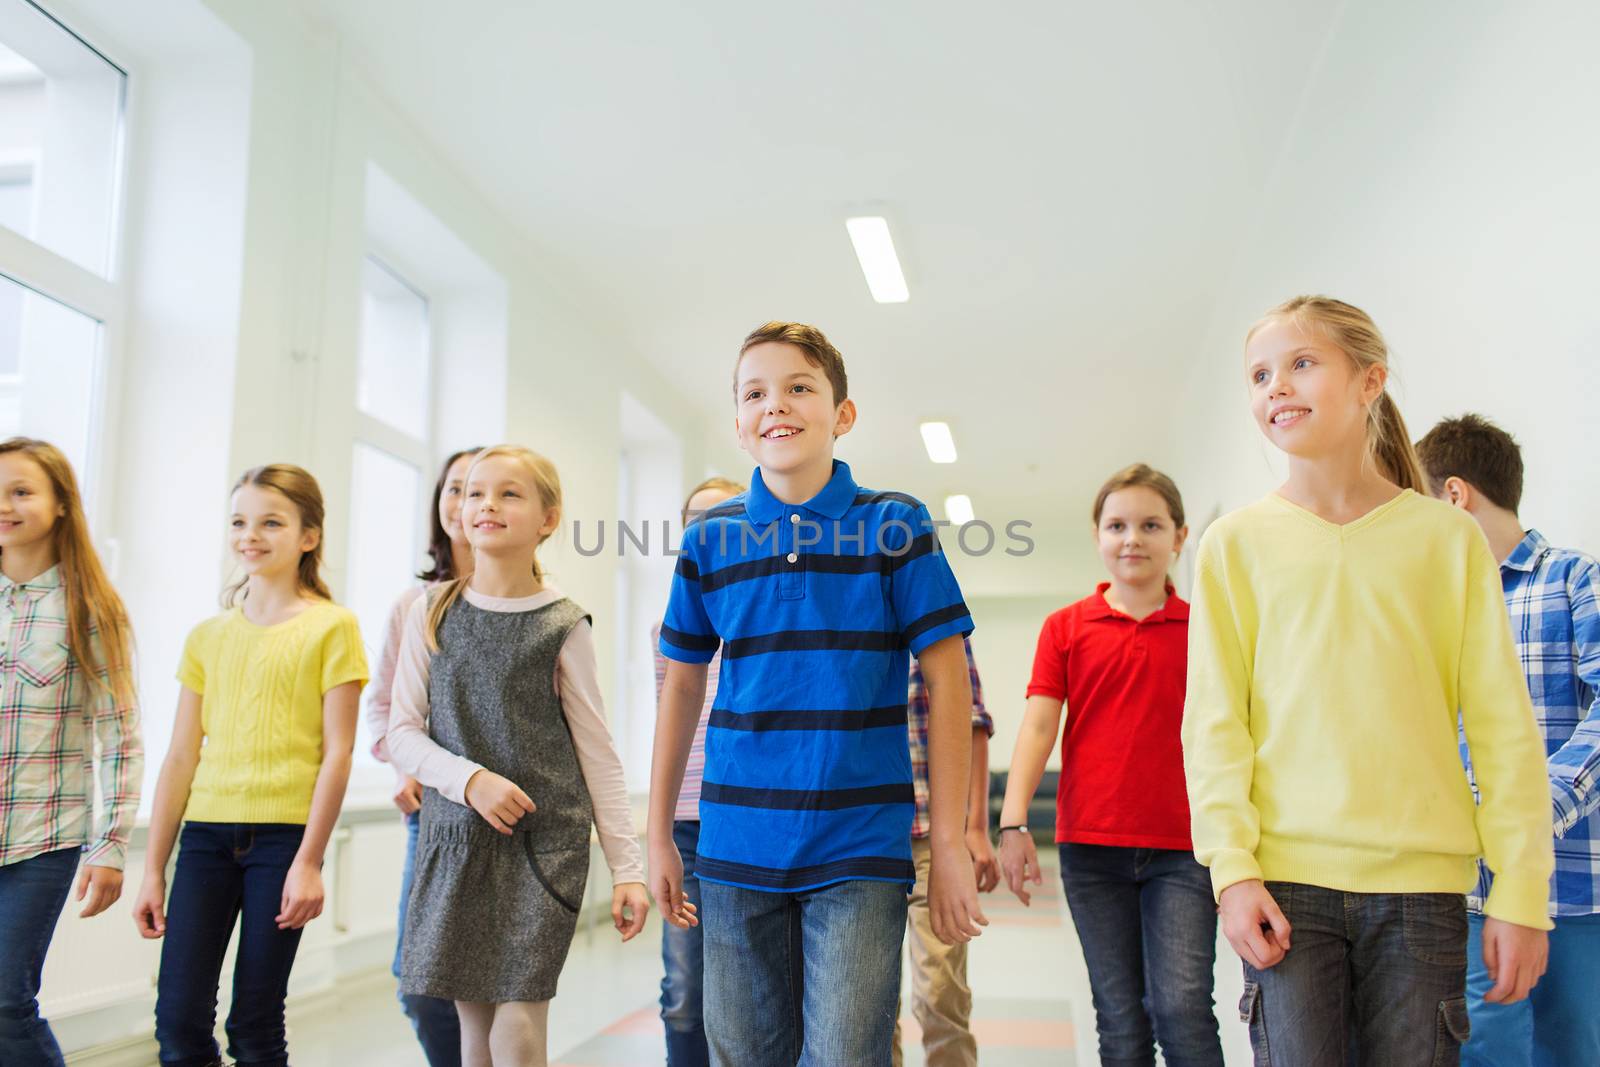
{"type": "Point", "coordinates": [261, 709]}
{"type": "Point", "coordinates": [1327, 666]}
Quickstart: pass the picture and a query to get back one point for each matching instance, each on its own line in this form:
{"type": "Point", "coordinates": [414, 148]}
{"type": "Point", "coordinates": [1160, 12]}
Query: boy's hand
{"type": "Point", "coordinates": [149, 907]}
{"type": "Point", "coordinates": [302, 896]}
{"type": "Point", "coordinates": [1515, 957]}
{"type": "Point", "coordinates": [953, 895]}
{"type": "Point", "coordinates": [499, 800]}
{"type": "Point", "coordinates": [666, 884]}
{"type": "Point", "coordinates": [1019, 861]}
{"type": "Point", "coordinates": [629, 906]}
{"type": "Point", "coordinates": [985, 868]}
{"type": "Point", "coordinates": [103, 885]}
{"type": "Point", "coordinates": [1254, 924]}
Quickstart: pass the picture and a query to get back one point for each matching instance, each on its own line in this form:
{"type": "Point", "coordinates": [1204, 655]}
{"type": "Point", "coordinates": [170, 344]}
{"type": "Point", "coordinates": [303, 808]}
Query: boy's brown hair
{"type": "Point", "coordinates": [1142, 474]}
{"type": "Point", "coordinates": [1472, 448]}
{"type": "Point", "coordinates": [819, 352]}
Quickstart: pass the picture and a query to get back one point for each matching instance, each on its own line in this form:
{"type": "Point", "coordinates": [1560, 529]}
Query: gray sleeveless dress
{"type": "Point", "coordinates": [491, 917]}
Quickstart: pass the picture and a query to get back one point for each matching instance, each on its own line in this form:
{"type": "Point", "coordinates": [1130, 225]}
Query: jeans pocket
{"type": "Point", "coordinates": [1452, 1030]}
{"type": "Point", "coordinates": [1434, 927]}
{"type": "Point", "coordinates": [1251, 1014]}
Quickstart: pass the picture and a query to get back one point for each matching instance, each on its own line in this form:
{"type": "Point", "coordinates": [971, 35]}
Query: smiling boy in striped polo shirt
{"type": "Point", "coordinates": [815, 590]}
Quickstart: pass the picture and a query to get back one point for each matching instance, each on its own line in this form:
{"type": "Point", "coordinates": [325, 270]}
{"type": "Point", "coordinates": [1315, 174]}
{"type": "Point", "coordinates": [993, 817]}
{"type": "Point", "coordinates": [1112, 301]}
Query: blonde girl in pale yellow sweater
{"type": "Point", "coordinates": [256, 773]}
{"type": "Point", "coordinates": [1340, 627]}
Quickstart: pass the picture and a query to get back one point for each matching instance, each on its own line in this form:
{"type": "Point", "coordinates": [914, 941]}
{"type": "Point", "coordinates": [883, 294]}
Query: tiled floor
{"type": "Point", "coordinates": [1031, 1001]}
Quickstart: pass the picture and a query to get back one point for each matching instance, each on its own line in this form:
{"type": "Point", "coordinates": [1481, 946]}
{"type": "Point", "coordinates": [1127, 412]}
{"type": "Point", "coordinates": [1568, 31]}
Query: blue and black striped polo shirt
{"type": "Point", "coordinates": [817, 608]}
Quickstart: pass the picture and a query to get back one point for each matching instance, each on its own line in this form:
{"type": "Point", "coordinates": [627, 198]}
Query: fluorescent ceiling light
{"type": "Point", "coordinates": [958, 509]}
{"type": "Point", "coordinates": [875, 250]}
{"type": "Point", "coordinates": [940, 445]}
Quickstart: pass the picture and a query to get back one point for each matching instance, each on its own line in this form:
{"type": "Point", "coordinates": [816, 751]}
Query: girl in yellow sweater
{"type": "Point", "coordinates": [256, 772]}
{"type": "Point", "coordinates": [1339, 629]}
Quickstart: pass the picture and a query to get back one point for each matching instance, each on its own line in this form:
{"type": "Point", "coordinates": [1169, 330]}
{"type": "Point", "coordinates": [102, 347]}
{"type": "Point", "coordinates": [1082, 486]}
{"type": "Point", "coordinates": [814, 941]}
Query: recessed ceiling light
{"type": "Point", "coordinates": [958, 509]}
{"type": "Point", "coordinates": [940, 445]}
{"type": "Point", "coordinates": [875, 250]}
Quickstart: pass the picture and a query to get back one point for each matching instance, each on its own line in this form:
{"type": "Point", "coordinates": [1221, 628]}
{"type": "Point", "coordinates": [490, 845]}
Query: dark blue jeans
{"type": "Point", "coordinates": [32, 892]}
{"type": "Point", "coordinates": [683, 964]}
{"type": "Point", "coordinates": [227, 872]}
{"type": "Point", "coordinates": [1377, 979]}
{"type": "Point", "coordinates": [1148, 927]}
{"type": "Point", "coordinates": [809, 979]}
{"type": "Point", "coordinates": [434, 1019]}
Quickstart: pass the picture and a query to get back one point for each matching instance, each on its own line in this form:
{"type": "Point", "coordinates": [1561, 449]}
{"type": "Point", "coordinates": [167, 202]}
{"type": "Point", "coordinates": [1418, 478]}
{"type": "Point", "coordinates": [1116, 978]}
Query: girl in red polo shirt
{"type": "Point", "coordinates": [1141, 904]}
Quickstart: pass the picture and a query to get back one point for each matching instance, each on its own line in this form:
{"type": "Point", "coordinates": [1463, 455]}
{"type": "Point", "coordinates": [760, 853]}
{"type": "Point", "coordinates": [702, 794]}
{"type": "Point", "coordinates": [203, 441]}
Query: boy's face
{"type": "Point", "coordinates": [785, 416]}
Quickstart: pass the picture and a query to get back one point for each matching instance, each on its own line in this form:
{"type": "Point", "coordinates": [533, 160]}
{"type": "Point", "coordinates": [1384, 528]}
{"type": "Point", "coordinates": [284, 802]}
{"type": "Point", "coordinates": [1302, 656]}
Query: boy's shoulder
{"type": "Point", "coordinates": [887, 499]}
{"type": "Point", "coordinates": [1571, 565]}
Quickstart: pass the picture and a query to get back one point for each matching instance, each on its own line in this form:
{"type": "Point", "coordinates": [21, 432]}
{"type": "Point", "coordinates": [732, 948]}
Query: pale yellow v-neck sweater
{"type": "Point", "coordinates": [261, 690]}
{"type": "Point", "coordinates": [1327, 667]}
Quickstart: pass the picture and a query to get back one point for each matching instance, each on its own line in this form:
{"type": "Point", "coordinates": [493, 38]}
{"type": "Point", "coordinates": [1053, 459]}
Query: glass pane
{"type": "Point", "coordinates": [393, 382]}
{"type": "Point", "coordinates": [383, 554]}
{"type": "Point", "coordinates": [48, 360]}
{"type": "Point", "coordinates": [60, 138]}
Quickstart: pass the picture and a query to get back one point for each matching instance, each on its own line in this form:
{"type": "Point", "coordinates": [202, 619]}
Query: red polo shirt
{"type": "Point", "coordinates": [1121, 753]}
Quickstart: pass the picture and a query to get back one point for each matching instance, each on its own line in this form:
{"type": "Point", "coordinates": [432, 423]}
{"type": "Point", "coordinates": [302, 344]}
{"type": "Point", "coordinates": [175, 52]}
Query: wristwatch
{"type": "Point", "coordinates": [1021, 828]}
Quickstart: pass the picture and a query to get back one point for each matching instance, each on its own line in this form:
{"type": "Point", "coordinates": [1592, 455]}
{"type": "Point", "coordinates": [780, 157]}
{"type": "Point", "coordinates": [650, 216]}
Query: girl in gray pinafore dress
{"type": "Point", "coordinates": [491, 916]}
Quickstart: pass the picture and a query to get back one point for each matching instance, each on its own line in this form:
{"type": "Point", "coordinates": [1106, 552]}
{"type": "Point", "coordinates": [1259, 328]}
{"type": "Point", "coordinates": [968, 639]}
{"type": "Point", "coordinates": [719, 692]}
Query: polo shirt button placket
{"type": "Point", "coordinates": [791, 583]}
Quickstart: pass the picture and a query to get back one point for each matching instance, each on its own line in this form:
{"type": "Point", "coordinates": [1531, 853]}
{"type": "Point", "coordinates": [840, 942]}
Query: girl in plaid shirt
{"type": "Point", "coordinates": [66, 673]}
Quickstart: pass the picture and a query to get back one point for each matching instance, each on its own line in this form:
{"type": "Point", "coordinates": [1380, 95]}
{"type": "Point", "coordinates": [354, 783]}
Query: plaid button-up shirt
{"type": "Point", "coordinates": [917, 727]}
{"type": "Point", "coordinates": [1553, 595]}
{"type": "Point", "coordinates": [50, 721]}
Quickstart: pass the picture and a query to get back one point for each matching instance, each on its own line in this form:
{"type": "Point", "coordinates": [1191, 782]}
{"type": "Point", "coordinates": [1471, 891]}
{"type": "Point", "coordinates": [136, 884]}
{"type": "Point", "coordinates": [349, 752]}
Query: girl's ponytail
{"type": "Point", "coordinates": [1389, 442]}
{"type": "Point", "coordinates": [439, 604]}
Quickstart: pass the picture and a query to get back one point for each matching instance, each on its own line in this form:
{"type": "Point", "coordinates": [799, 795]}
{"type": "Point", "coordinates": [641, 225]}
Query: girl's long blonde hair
{"type": "Point", "coordinates": [305, 494]}
{"type": "Point", "coordinates": [548, 485]}
{"type": "Point", "coordinates": [94, 610]}
{"type": "Point", "coordinates": [1358, 337]}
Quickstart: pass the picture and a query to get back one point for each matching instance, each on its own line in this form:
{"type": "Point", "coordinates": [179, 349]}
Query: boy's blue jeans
{"type": "Point", "coordinates": [1559, 1022]}
{"type": "Point", "coordinates": [227, 873]}
{"type": "Point", "coordinates": [808, 979]}
{"type": "Point", "coordinates": [32, 893]}
{"type": "Point", "coordinates": [1148, 927]}
{"type": "Point", "coordinates": [683, 966]}
{"type": "Point", "coordinates": [1377, 979]}
{"type": "Point", "coordinates": [434, 1019]}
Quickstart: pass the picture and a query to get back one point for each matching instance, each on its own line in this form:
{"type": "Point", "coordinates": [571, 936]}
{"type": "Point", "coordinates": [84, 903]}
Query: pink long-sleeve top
{"type": "Point", "coordinates": [380, 691]}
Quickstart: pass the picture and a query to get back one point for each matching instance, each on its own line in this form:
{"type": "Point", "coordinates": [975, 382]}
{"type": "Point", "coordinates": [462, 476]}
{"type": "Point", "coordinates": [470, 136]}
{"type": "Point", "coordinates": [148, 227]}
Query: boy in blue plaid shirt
{"type": "Point", "coordinates": [1553, 595]}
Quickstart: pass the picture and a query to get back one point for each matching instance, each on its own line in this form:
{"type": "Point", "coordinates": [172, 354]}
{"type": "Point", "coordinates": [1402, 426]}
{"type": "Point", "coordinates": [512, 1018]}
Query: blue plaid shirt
{"type": "Point", "coordinates": [1553, 595]}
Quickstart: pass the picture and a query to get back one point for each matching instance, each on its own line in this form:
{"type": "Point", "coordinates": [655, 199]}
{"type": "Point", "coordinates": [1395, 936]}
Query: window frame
{"type": "Point", "coordinates": [101, 297]}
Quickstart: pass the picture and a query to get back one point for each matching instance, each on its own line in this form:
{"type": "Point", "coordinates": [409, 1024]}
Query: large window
{"type": "Point", "coordinates": [392, 383]}
{"type": "Point", "coordinates": [61, 139]}
{"type": "Point", "coordinates": [61, 107]}
{"type": "Point", "coordinates": [48, 370]}
{"type": "Point", "coordinates": [393, 448]}
{"type": "Point", "coordinates": [430, 379]}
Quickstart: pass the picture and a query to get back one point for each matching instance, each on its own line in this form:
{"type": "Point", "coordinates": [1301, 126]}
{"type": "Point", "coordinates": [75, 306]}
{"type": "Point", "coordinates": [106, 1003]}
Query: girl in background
{"type": "Point", "coordinates": [1141, 904]}
{"type": "Point", "coordinates": [682, 952]}
{"type": "Point", "coordinates": [1340, 627]}
{"type": "Point", "coordinates": [434, 1019]}
{"type": "Point", "coordinates": [256, 773]}
{"type": "Point", "coordinates": [497, 712]}
{"type": "Point", "coordinates": [66, 686]}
